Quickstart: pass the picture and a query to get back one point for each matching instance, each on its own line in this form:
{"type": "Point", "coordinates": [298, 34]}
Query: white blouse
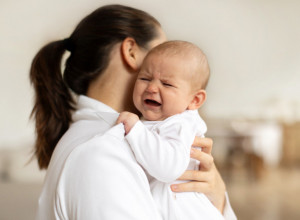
{"type": "Point", "coordinates": [93, 173]}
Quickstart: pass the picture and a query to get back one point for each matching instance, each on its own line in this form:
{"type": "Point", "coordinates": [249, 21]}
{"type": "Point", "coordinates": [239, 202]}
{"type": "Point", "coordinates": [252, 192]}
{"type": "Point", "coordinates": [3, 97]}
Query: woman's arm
{"type": "Point", "coordinates": [207, 179]}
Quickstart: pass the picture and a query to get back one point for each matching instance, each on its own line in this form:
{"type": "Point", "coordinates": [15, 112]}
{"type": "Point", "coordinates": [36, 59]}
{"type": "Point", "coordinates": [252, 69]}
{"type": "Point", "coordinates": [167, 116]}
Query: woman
{"type": "Point", "coordinates": [92, 174]}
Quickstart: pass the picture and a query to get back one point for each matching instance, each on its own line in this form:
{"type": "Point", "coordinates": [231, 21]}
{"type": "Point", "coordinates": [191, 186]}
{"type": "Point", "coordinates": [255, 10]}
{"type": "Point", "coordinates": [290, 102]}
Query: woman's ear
{"type": "Point", "coordinates": [131, 53]}
{"type": "Point", "coordinates": [198, 100]}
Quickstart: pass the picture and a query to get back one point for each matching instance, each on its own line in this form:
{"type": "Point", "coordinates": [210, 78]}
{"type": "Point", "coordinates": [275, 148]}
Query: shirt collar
{"type": "Point", "coordinates": [87, 102]}
{"type": "Point", "coordinates": [92, 109]}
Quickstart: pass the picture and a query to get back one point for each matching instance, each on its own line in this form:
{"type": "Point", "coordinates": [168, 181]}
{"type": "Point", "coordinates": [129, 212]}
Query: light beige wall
{"type": "Point", "coordinates": [252, 46]}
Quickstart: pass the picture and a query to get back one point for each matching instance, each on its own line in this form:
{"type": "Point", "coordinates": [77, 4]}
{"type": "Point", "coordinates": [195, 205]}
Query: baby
{"type": "Point", "coordinates": [169, 90]}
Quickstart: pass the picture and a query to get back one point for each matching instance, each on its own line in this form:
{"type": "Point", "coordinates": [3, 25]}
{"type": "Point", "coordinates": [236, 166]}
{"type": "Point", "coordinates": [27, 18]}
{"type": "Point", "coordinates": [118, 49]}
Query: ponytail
{"type": "Point", "coordinates": [53, 102]}
{"type": "Point", "coordinates": [90, 45]}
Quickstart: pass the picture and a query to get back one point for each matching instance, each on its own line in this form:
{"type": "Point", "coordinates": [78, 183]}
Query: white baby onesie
{"type": "Point", "coordinates": [163, 150]}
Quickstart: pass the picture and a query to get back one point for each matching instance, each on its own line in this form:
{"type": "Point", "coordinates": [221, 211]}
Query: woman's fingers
{"type": "Point", "coordinates": [207, 179]}
{"type": "Point", "coordinates": [194, 175]}
{"type": "Point", "coordinates": [206, 160]}
{"type": "Point", "coordinates": [205, 143]}
{"type": "Point", "coordinates": [192, 186]}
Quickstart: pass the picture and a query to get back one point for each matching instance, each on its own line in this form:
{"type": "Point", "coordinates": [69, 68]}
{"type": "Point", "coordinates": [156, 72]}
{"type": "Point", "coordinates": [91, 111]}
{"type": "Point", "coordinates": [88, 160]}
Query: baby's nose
{"type": "Point", "coordinates": [152, 87]}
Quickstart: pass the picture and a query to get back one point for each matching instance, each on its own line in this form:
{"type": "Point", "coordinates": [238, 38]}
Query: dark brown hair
{"type": "Point", "coordinates": [90, 45]}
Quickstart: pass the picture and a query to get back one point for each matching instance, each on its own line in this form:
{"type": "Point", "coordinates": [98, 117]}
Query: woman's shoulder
{"type": "Point", "coordinates": [111, 142]}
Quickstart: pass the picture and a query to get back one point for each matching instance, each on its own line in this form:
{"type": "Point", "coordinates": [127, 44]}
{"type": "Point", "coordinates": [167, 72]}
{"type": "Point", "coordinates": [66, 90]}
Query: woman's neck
{"type": "Point", "coordinates": [114, 89]}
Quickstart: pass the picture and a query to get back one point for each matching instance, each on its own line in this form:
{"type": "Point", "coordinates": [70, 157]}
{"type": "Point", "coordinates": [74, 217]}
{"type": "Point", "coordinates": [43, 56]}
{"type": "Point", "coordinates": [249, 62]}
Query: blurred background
{"type": "Point", "coordinates": [253, 106]}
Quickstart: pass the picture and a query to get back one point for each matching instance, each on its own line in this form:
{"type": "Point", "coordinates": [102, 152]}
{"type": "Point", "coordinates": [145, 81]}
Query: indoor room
{"type": "Point", "coordinates": [252, 110]}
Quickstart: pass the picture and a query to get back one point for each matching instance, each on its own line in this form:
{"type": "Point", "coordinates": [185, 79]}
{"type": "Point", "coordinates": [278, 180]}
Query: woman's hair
{"type": "Point", "coordinates": [90, 45]}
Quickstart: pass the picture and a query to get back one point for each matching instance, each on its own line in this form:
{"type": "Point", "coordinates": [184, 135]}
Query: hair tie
{"type": "Point", "coordinates": [68, 44]}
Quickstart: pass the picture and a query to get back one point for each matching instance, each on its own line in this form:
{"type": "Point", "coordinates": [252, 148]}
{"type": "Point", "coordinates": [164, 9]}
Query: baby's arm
{"type": "Point", "coordinates": [128, 119]}
{"type": "Point", "coordinates": [164, 151]}
{"type": "Point", "coordinates": [164, 155]}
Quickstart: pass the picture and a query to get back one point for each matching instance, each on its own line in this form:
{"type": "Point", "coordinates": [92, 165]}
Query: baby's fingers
{"type": "Point", "coordinates": [122, 117]}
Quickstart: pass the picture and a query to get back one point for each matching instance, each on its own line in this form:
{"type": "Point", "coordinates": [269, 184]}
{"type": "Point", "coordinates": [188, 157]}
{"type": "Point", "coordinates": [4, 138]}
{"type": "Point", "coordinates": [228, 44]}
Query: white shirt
{"type": "Point", "coordinates": [93, 173]}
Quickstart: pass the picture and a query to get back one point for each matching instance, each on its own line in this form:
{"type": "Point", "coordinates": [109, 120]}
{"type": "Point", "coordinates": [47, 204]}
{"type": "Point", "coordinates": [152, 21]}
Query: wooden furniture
{"type": "Point", "coordinates": [291, 144]}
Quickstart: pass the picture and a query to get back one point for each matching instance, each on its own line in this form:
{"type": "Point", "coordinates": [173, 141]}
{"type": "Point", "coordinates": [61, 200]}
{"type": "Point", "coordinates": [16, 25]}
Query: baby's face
{"type": "Point", "coordinates": [163, 87]}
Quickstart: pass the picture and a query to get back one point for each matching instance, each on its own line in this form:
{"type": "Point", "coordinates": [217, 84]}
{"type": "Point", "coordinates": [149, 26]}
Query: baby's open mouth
{"type": "Point", "coordinates": [152, 102]}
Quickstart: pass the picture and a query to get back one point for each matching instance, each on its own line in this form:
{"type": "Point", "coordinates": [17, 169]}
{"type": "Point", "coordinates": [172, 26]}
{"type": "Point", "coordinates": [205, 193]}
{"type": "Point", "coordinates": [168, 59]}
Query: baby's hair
{"type": "Point", "coordinates": [190, 51]}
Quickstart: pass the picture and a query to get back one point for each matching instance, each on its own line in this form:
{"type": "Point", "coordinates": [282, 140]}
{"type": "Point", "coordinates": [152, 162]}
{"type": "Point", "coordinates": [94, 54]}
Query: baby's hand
{"type": "Point", "coordinates": [128, 119]}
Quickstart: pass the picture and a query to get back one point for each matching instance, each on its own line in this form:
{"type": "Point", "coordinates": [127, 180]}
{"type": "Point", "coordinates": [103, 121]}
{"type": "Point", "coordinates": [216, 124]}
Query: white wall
{"type": "Point", "coordinates": [253, 48]}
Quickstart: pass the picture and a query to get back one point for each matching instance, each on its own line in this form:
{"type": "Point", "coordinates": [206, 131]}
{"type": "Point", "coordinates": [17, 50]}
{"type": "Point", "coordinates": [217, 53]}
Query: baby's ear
{"type": "Point", "coordinates": [198, 100]}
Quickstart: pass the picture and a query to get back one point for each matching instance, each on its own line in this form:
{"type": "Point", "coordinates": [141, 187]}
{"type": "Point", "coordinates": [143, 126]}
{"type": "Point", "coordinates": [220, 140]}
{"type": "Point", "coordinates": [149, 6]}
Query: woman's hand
{"type": "Point", "coordinates": [207, 179]}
